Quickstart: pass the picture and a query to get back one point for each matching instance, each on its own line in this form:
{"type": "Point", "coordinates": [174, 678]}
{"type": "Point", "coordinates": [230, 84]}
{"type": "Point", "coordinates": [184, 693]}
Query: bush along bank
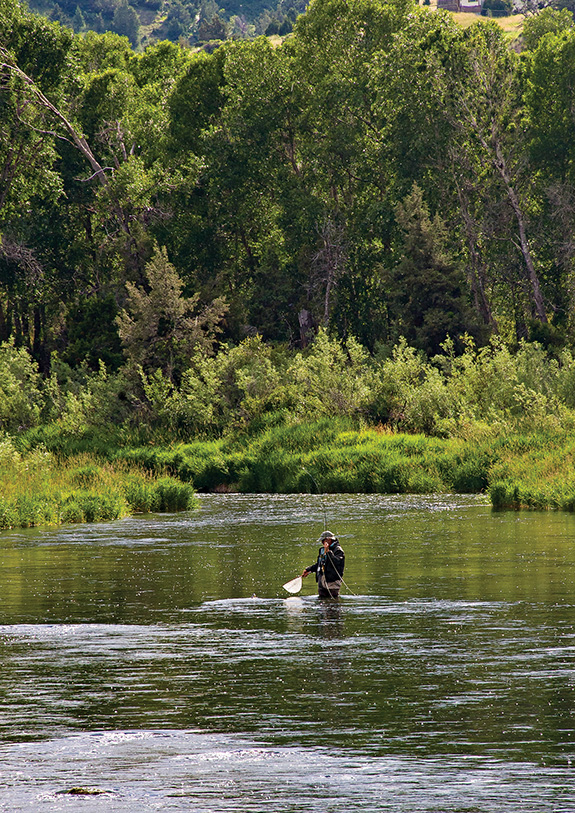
{"type": "Point", "coordinates": [263, 419]}
{"type": "Point", "coordinates": [35, 489]}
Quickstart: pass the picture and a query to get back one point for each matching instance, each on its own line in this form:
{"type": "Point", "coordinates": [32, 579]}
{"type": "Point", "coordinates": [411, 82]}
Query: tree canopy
{"type": "Point", "coordinates": [382, 173]}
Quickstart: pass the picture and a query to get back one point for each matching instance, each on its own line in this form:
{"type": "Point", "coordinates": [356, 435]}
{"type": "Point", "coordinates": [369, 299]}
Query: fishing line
{"type": "Point", "coordinates": [320, 494]}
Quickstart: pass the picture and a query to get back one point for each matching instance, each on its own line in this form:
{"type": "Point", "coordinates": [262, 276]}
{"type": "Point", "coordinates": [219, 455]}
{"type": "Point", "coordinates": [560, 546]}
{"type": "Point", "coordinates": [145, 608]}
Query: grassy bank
{"type": "Point", "coordinates": [37, 489]}
{"type": "Point", "coordinates": [521, 471]}
{"type": "Point", "coordinates": [534, 471]}
{"type": "Point", "coordinates": [63, 484]}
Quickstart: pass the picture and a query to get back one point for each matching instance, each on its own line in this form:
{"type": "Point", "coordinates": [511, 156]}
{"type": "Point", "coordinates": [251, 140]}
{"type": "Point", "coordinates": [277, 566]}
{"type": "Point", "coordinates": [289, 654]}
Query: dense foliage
{"type": "Point", "coordinates": [384, 173]}
{"type": "Point", "coordinates": [203, 23]}
{"type": "Point", "coordinates": [373, 221]}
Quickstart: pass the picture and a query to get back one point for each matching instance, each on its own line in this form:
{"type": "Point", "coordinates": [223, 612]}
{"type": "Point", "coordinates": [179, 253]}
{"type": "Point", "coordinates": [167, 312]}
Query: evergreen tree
{"type": "Point", "coordinates": [428, 289]}
{"type": "Point", "coordinates": [78, 21]}
{"type": "Point", "coordinates": [126, 22]}
{"type": "Point", "coordinates": [160, 328]}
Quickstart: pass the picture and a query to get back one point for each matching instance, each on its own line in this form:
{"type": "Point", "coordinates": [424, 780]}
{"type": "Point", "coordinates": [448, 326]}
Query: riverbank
{"type": "Point", "coordinates": [54, 479]}
{"type": "Point", "coordinates": [533, 471]}
{"type": "Point", "coordinates": [36, 488]}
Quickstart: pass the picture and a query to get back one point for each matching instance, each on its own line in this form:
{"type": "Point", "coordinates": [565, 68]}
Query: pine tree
{"type": "Point", "coordinates": [126, 22]}
{"type": "Point", "coordinates": [428, 288]}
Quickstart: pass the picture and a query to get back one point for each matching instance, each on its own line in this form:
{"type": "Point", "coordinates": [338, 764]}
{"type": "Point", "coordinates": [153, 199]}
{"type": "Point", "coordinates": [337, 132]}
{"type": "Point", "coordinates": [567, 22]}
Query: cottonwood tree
{"type": "Point", "coordinates": [486, 111]}
{"type": "Point", "coordinates": [451, 117]}
{"type": "Point", "coordinates": [550, 102]}
{"type": "Point", "coordinates": [415, 136]}
{"type": "Point", "coordinates": [29, 181]}
{"type": "Point", "coordinates": [35, 97]}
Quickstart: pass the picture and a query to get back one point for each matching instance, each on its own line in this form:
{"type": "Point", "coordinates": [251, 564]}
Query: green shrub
{"type": "Point", "coordinates": [145, 494]}
{"type": "Point", "coordinates": [8, 514]}
{"type": "Point", "coordinates": [330, 379]}
{"type": "Point", "coordinates": [171, 495]}
{"type": "Point", "coordinates": [34, 509]}
{"type": "Point", "coordinates": [21, 397]}
{"type": "Point", "coordinates": [87, 475]}
{"type": "Point", "coordinates": [504, 495]}
{"type": "Point", "coordinates": [138, 493]}
{"type": "Point", "coordinates": [96, 507]}
{"type": "Point", "coordinates": [71, 511]}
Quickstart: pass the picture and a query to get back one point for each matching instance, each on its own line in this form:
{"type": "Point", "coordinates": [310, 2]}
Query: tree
{"type": "Point", "coordinates": [329, 262]}
{"type": "Point", "coordinates": [428, 290]}
{"type": "Point", "coordinates": [78, 20]}
{"type": "Point", "coordinates": [213, 29]}
{"type": "Point", "coordinates": [126, 22]}
{"type": "Point", "coordinates": [34, 96]}
{"type": "Point", "coordinates": [486, 105]}
{"type": "Point", "coordinates": [178, 22]}
{"type": "Point", "coordinates": [546, 21]}
{"type": "Point", "coordinates": [451, 117]}
{"type": "Point", "coordinates": [160, 328]}
{"type": "Point", "coordinates": [29, 181]}
{"type": "Point", "coordinates": [550, 98]}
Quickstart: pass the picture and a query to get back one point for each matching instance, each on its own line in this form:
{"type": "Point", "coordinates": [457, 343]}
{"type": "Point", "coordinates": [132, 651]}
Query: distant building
{"type": "Point", "coordinates": [469, 6]}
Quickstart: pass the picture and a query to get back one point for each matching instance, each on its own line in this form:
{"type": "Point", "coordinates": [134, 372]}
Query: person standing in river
{"type": "Point", "coordinates": [329, 566]}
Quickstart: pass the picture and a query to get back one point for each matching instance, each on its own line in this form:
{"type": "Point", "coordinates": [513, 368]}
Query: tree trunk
{"type": "Point", "coordinates": [476, 271]}
{"type": "Point", "coordinates": [523, 246]}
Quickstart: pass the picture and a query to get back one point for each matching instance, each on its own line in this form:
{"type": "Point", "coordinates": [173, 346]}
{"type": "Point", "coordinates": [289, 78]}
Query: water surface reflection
{"type": "Point", "coordinates": [157, 660]}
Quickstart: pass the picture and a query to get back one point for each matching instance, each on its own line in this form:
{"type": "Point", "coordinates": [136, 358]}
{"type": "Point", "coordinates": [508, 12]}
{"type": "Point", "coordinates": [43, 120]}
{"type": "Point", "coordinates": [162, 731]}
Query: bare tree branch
{"type": "Point", "coordinates": [78, 140]}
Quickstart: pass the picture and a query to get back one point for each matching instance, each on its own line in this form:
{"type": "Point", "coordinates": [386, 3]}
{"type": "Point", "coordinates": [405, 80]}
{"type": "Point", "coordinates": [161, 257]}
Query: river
{"type": "Point", "coordinates": [156, 663]}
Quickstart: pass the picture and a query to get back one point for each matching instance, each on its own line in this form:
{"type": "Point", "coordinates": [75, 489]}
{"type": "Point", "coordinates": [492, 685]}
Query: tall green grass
{"type": "Point", "coordinates": [329, 455]}
{"type": "Point", "coordinates": [37, 489]}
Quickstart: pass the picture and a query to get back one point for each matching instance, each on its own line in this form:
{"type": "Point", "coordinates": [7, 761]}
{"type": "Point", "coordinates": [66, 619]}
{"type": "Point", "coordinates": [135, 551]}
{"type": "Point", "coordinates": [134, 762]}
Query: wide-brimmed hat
{"type": "Point", "coordinates": [327, 535]}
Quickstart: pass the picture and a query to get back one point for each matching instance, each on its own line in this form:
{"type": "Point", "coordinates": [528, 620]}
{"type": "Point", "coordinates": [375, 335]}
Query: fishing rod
{"type": "Point", "coordinates": [295, 585]}
{"type": "Point", "coordinates": [292, 585]}
{"type": "Point", "coordinates": [320, 493]}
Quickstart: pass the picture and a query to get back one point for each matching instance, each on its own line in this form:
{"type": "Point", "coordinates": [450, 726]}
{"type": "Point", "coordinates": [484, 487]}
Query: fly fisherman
{"type": "Point", "coordinates": [329, 566]}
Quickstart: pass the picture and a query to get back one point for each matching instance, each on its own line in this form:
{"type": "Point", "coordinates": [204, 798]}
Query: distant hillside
{"type": "Point", "coordinates": [188, 21]}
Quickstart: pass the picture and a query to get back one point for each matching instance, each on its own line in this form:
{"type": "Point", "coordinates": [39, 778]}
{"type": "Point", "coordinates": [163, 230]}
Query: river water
{"type": "Point", "coordinates": [156, 663]}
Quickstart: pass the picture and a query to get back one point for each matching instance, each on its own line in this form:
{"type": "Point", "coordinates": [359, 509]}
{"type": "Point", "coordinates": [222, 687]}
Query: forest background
{"type": "Point", "coordinates": [345, 263]}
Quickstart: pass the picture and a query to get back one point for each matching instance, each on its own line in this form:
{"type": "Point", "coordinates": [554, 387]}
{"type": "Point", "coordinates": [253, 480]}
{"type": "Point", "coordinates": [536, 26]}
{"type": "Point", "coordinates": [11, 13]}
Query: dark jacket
{"type": "Point", "coordinates": [331, 565]}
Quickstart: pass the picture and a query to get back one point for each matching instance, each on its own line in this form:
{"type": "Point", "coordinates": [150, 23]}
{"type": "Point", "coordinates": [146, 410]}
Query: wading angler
{"type": "Point", "coordinates": [329, 566]}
